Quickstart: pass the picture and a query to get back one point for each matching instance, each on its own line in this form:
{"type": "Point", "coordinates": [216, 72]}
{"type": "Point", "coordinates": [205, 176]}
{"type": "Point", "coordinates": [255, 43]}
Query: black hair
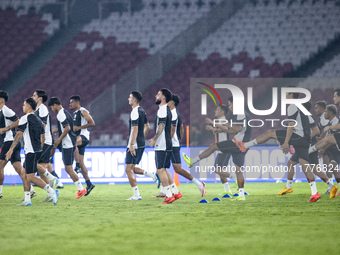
{"type": "Point", "coordinates": [75, 98]}
{"type": "Point", "coordinates": [322, 104]}
{"type": "Point", "coordinates": [176, 99]}
{"type": "Point", "coordinates": [337, 92]}
{"type": "Point", "coordinates": [42, 93]}
{"type": "Point", "coordinates": [332, 108]}
{"type": "Point", "coordinates": [224, 108]}
{"type": "Point", "coordinates": [32, 103]}
{"type": "Point", "coordinates": [138, 95]}
{"type": "Point", "coordinates": [167, 93]}
{"type": "Point", "coordinates": [307, 105]}
{"type": "Point", "coordinates": [53, 101]}
{"type": "Point", "coordinates": [295, 94]}
{"type": "Point", "coordinates": [4, 95]}
{"type": "Point", "coordinates": [230, 99]}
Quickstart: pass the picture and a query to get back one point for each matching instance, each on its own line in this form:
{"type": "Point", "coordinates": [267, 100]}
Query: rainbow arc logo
{"type": "Point", "coordinates": [204, 97]}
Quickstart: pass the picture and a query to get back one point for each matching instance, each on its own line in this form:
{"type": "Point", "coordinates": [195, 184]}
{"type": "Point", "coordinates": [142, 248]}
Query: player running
{"type": "Point", "coordinates": [296, 135]}
{"type": "Point", "coordinates": [82, 120]}
{"type": "Point", "coordinates": [330, 139]}
{"type": "Point", "coordinates": [313, 161]}
{"type": "Point", "coordinates": [243, 133]}
{"type": "Point", "coordinates": [163, 145]}
{"type": "Point", "coordinates": [67, 139]}
{"type": "Point", "coordinates": [138, 130]}
{"type": "Point", "coordinates": [40, 97]}
{"type": "Point", "coordinates": [8, 122]}
{"type": "Point", "coordinates": [31, 129]}
{"type": "Point", "coordinates": [222, 159]}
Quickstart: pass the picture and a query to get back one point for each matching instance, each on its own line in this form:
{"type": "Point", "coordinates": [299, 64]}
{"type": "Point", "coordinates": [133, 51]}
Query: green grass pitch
{"type": "Point", "coordinates": [104, 223]}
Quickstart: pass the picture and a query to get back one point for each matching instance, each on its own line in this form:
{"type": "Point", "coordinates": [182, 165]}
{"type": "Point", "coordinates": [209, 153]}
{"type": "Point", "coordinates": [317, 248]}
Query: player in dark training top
{"type": "Point", "coordinates": [33, 132]}
{"type": "Point", "coordinates": [82, 120]}
{"type": "Point", "coordinates": [138, 129]}
{"type": "Point", "coordinates": [163, 145]}
{"type": "Point", "coordinates": [67, 139]}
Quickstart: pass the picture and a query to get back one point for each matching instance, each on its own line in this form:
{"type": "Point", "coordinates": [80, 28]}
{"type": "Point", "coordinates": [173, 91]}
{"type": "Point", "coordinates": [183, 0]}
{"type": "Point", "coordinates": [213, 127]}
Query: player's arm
{"type": "Point", "coordinates": [88, 118]}
{"type": "Point", "coordinates": [42, 138]}
{"type": "Point", "coordinates": [133, 140]}
{"type": "Point", "coordinates": [332, 127]}
{"type": "Point", "coordinates": [67, 129]}
{"type": "Point", "coordinates": [229, 129]}
{"type": "Point", "coordinates": [181, 131]}
{"type": "Point", "coordinates": [54, 131]}
{"type": "Point", "coordinates": [146, 129]}
{"type": "Point", "coordinates": [315, 132]}
{"type": "Point", "coordinates": [173, 130]}
{"type": "Point", "coordinates": [160, 129]}
{"type": "Point", "coordinates": [13, 125]}
{"type": "Point", "coordinates": [16, 140]}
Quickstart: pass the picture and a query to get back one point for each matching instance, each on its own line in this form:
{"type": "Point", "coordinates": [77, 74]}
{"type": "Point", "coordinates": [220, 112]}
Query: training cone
{"type": "Point", "coordinates": [226, 196]}
{"type": "Point", "coordinates": [216, 199]}
{"type": "Point", "coordinates": [203, 201]}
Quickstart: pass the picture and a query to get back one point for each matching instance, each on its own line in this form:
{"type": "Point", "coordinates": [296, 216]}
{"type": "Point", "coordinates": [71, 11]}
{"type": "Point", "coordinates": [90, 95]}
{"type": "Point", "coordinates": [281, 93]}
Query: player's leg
{"type": "Point", "coordinates": [190, 162]}
{"type": "Point", "coordinates": [68, 157]}
{"type": "Point", "coordinates": [240, 183]}
{"type": "Point", "coordinates": [224, 146]}
{"type": "Point", "coordinates": [45, 175]}
{"type": "Point", "coordinates": [137, 170]}
{"type": "Point", "coordinates": [31, 167]}
{"type": "Point", "coordinates": [269, 134]}
{"type": "Point", "coordinates": [84, 172]}
{"type": "Point", "coordinates": [50, 169]}
{"type": "Point", "coordinates": [77, 169]}
{"type": "Point", "coordinates": [222, 160]}
{"type": "Point", "coordinates": [238, 159]}
{"type": "Point", "coordinates": [328, 139]}
{"type": "Point", "coordinates": [162, 163]}
{"type": "Point", "coordinates": [290, 175]}
{"type": "Point", "coordinates": [310, 178]}
{"type": "Point", "coordinates": [2, 176]}
{"type": "Point", "coordinates": [176, 163]}
{"type": "Point", "coordinates": [133, 182]}
{"type": "Point", "coordinates": [318, 171]}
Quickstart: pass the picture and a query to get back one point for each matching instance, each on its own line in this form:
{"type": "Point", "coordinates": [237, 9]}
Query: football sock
{"type": "Point", "coordinates": [226, 187]}
{"type": "Point", "coordinates": [313, 188]}
{"type": "Point", "coordinates": [289, 184]}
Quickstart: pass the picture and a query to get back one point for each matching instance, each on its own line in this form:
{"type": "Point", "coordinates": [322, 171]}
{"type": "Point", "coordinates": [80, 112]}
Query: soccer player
{"type": "Point", "coordinates": [243, 133]}
{"type": "Point", "coordinates": [222, 159]}
{"type": "Point", "coordinates": [67, 138]}
{"type": "Point", "coordinates": [138, 130]}
{"type": "Point", "coordinates": [31, 129]}
{"type": "Point", "coordinates": [330, 139]}
{"type": "Point", "coordinates": [82, 120]}
{"type": "Point", "coordinates": [163, 145]}
{"type": "Point", "coordinates": [8, 121]}
{"type": "Point", "coordinates": [40, 97]}
{"type": "Point", "coordinates": [313, 160]}
{"type": "Point", "coordinates": [331, 154]}
{"type": "Point", "coordinates": [319, 110]}
{"type": "Point", "coordinates": [177, 132]}
{"type": "Point", "coordinates": [297, 135]}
